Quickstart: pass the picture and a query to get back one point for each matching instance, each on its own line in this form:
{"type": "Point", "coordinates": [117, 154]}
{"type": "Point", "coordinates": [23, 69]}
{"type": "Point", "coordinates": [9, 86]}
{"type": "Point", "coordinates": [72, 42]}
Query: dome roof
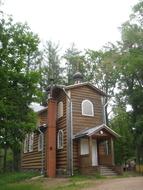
{"type": "Point", "coordinates": [77, 76]}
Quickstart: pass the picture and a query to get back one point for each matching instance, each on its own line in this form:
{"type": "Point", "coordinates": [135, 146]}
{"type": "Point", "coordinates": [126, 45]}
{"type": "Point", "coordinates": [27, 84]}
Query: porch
{"type": "Point", "coordinates": [96, 149]}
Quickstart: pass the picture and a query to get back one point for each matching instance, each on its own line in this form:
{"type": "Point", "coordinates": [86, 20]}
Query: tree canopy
{"type": "Point", "coordinates": [18, 81]}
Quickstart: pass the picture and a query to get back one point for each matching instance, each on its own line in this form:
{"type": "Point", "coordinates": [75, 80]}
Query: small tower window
{"type": "Point", "coordinates": [60, 139]}
{"type": "Point", "coordinates": [87, 108]}
{"type": "Point", "coordinates": [60, 109]}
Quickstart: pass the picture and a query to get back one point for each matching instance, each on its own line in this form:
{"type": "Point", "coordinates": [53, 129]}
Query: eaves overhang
{"type": "Point", "coordinates": [93, 131]}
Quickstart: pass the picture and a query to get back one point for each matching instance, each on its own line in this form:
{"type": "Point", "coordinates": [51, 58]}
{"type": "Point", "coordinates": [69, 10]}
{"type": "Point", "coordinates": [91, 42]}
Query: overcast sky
{"type": "Point", "coordinates": [88, 23]}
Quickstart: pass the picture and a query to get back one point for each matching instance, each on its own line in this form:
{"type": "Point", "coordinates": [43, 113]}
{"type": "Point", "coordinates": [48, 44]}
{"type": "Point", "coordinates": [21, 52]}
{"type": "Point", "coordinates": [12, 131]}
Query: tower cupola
{"type": "Point", "coordinates": [78, 78]}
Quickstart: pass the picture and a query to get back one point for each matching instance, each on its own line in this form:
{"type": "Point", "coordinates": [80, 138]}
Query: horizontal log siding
{"type": "Point", "coordinates": [43, 117]}
{"type": "Point", "coordinates": [76, 162]}
{"type": "Point", "coordinates": [32, 160]}
{"type": "Point", "coordinates": [61, 154]}
{"type": "Point", "coordinates": [80, 121]}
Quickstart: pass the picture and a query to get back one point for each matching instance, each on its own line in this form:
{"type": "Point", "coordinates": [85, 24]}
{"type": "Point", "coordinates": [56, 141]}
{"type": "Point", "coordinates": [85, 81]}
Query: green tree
{"type": "Point", "coordinates": [52, 62]}
{"type": "Point", "coordinates": [18, 83]}
{"type": "Point", "coordinates": [51, 69]}
{"type": "Point", "coordinates": [131, 71]}
{"type": "Point", "coordinates": [74, 62]}
{"type": "Point", "coordinates": [124, 145]}
{"type": "Point", "coordinates": [101, 67]}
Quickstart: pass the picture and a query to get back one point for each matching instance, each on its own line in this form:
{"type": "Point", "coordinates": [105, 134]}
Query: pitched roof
{"type": "Point", "coordinates": [86, 84]}
{"type": "Point", "coordinates": [60, 87]}
{"type": "Point", "coordinates": [94, 130]}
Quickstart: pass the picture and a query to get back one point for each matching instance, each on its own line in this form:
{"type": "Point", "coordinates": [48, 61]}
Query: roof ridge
{"type": "Point", "coordinates": [89, 84]}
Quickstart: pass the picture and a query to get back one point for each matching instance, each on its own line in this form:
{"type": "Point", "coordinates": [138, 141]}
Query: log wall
{"type": "Point", "coordinates": [80, 121]}
{"type": "Point", "coordinates": [61, 154]}
{"type": "Point", "coordinates": [33, 160]}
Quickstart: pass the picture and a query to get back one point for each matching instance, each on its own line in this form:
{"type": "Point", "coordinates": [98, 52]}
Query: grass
{"type": "Point", "coordinates": [71, 186]}
{"type": "Point", "coordinates": [86, 177]}
{"type": "Point", "coordinates": [21, 187]}
{"type": "Point", "coordinates": [15, 177]}
{"type": "Point", "coordinates": [20, 181]}
{"type": "Point", "coordinates": [16, 181]}
{"type": "Point", "coordinates": [130, 174]}
{"type": "Point", "coordinates": [23, 181]}
{"type": "Point", "coordinates": [78, 182]}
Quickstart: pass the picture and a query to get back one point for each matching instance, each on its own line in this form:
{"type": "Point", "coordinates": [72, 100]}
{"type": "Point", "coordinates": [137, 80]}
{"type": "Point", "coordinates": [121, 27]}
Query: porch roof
{"type": "Point", "coordinates": [94, 130]}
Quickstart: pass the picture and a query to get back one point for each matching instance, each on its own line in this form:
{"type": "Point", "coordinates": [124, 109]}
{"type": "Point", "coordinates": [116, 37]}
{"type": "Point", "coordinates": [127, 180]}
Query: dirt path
{"type": "Point", "coordinates": [131, 183]}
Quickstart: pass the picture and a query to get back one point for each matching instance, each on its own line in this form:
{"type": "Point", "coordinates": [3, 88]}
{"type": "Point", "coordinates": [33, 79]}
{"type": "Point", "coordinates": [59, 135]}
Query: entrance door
{"type": "Point", "coordinates": [104, 150]}
{"type": "Point", "coordinates": [94, 153]}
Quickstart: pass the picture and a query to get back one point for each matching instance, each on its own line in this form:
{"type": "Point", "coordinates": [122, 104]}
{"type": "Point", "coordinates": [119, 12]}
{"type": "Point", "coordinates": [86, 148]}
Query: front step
{"type": "Point", "coordinates": [107, 171]}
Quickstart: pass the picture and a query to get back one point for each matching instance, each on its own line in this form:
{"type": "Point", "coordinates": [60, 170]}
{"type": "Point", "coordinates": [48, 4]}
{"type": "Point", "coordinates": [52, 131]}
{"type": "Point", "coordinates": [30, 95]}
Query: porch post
{"type": "Point", "coordinates": [112, 151]}
{"type": "Point", "coordinates": [90, 150]}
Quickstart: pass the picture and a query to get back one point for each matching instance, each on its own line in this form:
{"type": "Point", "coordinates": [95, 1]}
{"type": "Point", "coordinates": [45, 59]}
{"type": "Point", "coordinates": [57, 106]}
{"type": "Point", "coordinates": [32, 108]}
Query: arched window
{"type": "Point", "coordinates": [60, 139]}
{"type": "Point", "coordinates": [60, 109]}
{"type": "Point", "coordinates": [87, 108]}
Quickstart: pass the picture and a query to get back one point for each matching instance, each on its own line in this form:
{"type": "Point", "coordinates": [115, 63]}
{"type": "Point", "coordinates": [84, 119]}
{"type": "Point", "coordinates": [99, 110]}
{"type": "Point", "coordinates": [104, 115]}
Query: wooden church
{"type": "Point", "coordinates": [71, 135]}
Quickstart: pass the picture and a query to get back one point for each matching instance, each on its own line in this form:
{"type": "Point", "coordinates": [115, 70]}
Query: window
{"type": "Point", "coordinates": [31, 140]}
{"type": "Point", "coordinates": [26, 144]}
{"type": "Point", "coordinates": [84, 147]}
{"type": "Point", "coordinates": [87, 108]}
{"type": "Point", "coordinates": [60, 109]}
{"type": "Point", "coordinates": [40, 142]}
{"type": "Point", "coordinates": [60, 139]}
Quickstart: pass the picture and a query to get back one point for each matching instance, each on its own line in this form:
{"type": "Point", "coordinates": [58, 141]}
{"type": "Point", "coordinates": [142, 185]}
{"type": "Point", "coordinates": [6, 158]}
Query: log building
{"type": "Point", "coordinates": [71, 135]}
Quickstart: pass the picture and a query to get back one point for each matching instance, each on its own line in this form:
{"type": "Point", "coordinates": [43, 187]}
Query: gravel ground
{"type": "Point", "coordinates": [131, 183]}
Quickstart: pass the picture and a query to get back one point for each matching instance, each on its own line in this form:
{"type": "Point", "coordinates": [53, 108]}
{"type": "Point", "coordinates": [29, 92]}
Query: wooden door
{"type": "Point", "coordinates": [104, 152]}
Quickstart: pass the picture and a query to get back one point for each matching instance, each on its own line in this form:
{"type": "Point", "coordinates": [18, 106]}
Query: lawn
{"type": "Point", "coordinates": [18, 181]}
{"type": "Point", "coordinates": [31, 181]}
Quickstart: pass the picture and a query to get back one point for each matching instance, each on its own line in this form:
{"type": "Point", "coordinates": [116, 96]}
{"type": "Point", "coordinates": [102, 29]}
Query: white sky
{"type": "Point", "coordinates": [87, 23]}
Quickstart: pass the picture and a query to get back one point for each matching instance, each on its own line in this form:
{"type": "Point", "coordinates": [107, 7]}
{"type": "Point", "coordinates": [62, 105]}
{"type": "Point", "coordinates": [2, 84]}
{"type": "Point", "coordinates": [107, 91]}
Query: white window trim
{"type": "Point", "coordinates": [31, 141]}
{"type": "Point", "coordinates": [82, 107]}
{"type": "Point", "coordinates": [60, 145]}
{"type": "Point", "coordinates": [60, 110]}
{"type": "Point", "coordinates": [40, 142]}
{"type": "Point", "coordinates": [25, 148]}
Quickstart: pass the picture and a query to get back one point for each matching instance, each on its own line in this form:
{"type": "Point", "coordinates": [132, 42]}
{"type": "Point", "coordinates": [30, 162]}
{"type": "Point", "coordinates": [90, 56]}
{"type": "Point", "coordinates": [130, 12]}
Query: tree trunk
{"type": "Point", "coordinates": [5, 159]}
{"type": "Point", "coordinates": [16, 160]}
